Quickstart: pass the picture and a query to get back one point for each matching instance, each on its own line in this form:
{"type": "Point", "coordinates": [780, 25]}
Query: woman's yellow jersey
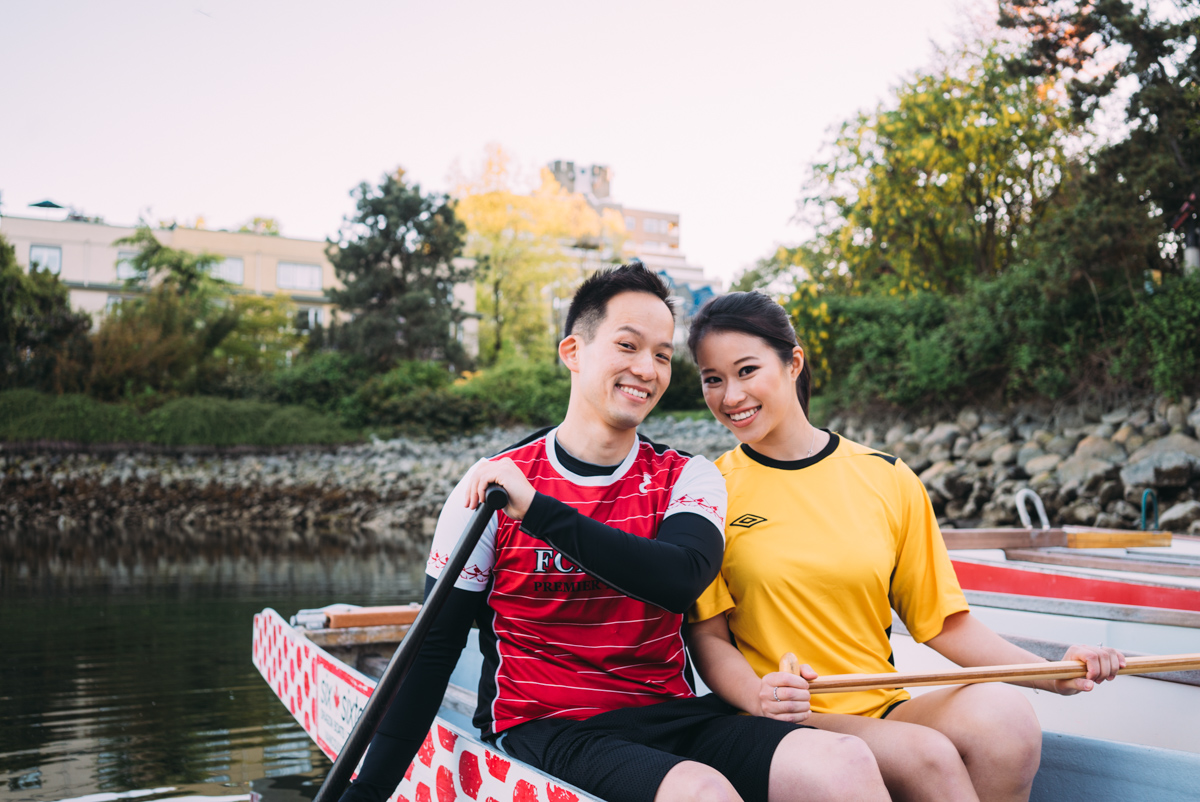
{"type": "Point", "coordinates": [817, 554]}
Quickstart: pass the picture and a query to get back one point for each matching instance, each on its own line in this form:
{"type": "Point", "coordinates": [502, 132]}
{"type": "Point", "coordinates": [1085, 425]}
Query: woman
{"type": "Point", "coordinates": [824, 538]}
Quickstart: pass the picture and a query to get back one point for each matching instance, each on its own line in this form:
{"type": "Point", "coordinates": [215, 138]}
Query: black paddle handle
{"type": "Point", "coordinates": [496, 498]}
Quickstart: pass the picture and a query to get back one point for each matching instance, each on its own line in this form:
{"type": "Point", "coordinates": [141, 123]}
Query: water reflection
{"type": "Point", "coordinates": [127, 675]}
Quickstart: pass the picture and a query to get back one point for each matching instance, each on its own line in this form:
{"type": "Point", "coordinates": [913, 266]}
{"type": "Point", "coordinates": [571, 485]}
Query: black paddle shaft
{"type": "Point", "coordinates": [496, 498]}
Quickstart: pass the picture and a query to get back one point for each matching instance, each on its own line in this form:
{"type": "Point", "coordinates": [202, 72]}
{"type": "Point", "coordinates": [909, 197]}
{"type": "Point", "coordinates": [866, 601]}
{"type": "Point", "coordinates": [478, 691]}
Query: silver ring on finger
{"type": "Point", "coordinates": [775, 693]}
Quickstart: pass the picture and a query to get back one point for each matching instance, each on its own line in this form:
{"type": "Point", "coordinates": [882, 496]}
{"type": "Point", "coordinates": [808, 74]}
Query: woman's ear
{"type": "Point", "coordinates": [797, 363]}
{"type": "Point", "coordinates": [568, 352]}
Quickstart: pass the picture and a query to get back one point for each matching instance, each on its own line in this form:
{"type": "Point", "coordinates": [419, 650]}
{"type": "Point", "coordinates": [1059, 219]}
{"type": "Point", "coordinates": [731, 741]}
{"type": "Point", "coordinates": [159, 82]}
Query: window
{"type": "Point", "coordinates": [45, 257]}
{"type": "Point", "coordinates": [296, 276]}
{"type": "Point", "coordinates": [112, 302]}
{"type": "Point", "coordinates": [231, 269]}
{"type": "Point", "coordinates": [125, 268]}
{"type": "Point", "coordinates": [309, 317]}
{"type": "Point", "coordinates": [650, 225]}
{"type": "Point", "coordinates": [631, 224]}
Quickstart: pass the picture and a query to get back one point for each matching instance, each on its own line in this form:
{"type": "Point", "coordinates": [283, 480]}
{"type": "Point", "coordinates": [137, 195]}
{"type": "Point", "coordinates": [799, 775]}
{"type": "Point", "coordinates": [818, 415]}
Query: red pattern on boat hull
{"type": "Point", "coordinates": [1005, 579]}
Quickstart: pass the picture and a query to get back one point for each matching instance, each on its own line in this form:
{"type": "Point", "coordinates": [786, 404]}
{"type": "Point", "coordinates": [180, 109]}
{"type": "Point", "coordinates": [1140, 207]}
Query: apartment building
{"type": "Point", "coordinates": [651, 236]}
{"type": "Point", "coordinates": [86, 257]}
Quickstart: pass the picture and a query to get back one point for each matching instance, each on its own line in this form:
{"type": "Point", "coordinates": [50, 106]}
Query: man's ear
{"type": "Point", "coordinates": [568, 351]}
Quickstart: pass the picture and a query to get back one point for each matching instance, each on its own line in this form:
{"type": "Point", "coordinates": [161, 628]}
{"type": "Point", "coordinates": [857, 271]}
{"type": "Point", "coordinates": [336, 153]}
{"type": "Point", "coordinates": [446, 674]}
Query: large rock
{"type": "Point", "coordinates": [1042, 464]}
{"type": "Point", "coordinates": [1096, 447]}
{"type": "Point", "coordinates": [1194, 419]}
{"type": "Point", "coordinates": [1086, 471]}
{"type": "Point", "coordinates": [1161, 470]}
{"type": "Point", "coordinates": [981, 452]}
{"type": "Point", "coordinates": [1005, 454]}
{"type": "Point", "coordinates": [945, 478]}
{"type": "Point", "coordinates": [1062, 445]}
{"type": "Point", "coordinates": [1123, 434]}
{"type": "Point", "coordinates": [1180, 517]}
{"type": "Point", "coordinates": [1030, 450]}
{"type": "Point", "coordinates": [1164, 445]}
{"type": "Point", "coordinates": [1116, 417]}
{"type": "Point", "coordinates": [944, 434]}
{"type": "Point", "coordinates": [1167, 462]}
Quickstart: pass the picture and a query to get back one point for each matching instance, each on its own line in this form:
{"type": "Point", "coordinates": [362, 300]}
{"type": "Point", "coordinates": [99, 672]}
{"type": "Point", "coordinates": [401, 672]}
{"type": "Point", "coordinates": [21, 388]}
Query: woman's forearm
{"type": "Point", "coordinates": [969, 642]}
{"type": "Point", "coordinates": [722, 667]}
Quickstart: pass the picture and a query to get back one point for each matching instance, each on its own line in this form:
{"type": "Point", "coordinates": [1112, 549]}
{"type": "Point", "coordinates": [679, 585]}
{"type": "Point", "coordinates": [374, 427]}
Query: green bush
{"type": "Point", "coordinates": [531, 393]}
{"type": "Point", "coordinates": [1028, 332]}
{"type": "Point", "coordinates": [325, 381]}
{"type": "Point", "coordinates": [375, 402]}
{"type": "Point", "coordinates": [198, 420]}
{"type": "Point", "coordinates": [30, 415]}
{"type": "Point", "coordinates": [438, 414]}
{"type": "Point", "coordinates": [1163, 337]}
{"type": "Point", "coordinates": [293, 425]}
{"type": "Point", "coordinates": [202, 420]}
{"type": "Point", "coordinates": [684, 392]}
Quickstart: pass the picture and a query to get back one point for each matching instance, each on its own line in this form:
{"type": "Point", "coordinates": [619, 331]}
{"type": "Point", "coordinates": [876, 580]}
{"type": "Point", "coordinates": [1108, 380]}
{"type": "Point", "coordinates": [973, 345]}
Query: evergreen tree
{"type": "Point", "coordinates": [43, 342]}
{"type": "Point", "coordinates": [395, 258]}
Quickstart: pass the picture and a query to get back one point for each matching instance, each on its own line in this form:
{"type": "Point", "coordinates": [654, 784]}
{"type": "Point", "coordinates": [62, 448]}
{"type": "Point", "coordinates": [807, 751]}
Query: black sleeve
{"type": "Point", "coordinates": [669, 571]}
{"type": "Point", "coordinates": [411, 714]}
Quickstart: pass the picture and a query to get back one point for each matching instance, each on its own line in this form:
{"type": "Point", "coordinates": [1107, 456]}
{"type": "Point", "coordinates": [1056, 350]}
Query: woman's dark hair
{"type": "Point", "coordinates": [757, 315]}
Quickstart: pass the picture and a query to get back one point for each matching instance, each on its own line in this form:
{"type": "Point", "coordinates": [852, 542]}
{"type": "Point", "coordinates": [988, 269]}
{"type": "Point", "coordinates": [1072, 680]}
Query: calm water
{"type": "Point", "coordinates": [134, 681]}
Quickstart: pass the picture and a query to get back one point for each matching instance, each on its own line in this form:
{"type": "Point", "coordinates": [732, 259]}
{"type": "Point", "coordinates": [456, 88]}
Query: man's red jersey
{"type": "Point", "coordinates": [560, 642]}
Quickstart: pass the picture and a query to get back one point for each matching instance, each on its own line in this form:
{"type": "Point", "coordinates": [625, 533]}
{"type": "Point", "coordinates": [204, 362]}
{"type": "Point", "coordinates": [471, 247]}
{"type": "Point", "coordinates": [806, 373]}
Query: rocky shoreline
{"type": "Point", "coordinates": [1089, 466]}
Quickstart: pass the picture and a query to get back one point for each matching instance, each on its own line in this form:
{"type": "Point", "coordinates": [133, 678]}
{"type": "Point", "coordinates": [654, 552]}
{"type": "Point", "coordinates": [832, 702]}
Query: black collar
{"type": "Point", "coordinates": [794, 464]}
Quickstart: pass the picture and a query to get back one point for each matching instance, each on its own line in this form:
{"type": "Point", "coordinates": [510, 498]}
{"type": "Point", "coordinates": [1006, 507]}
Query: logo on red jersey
{"type": "Point", "coordinates": [548, 557]}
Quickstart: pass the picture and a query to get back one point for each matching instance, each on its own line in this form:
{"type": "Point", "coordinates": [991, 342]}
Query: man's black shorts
{"type": "Point", "coordinates": [623, 755]}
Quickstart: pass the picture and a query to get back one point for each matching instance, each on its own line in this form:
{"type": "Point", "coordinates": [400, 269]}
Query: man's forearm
{"type": "Point", "coordinates": [669, 571]}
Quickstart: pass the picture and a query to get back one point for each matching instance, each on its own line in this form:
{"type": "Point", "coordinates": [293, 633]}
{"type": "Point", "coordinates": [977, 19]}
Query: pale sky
{"type": "Point", "coordinates": [234, 109]}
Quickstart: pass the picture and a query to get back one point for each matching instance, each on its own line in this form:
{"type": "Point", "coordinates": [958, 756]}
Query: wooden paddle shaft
{"type": "Point", "coordinates": [1024, 672]}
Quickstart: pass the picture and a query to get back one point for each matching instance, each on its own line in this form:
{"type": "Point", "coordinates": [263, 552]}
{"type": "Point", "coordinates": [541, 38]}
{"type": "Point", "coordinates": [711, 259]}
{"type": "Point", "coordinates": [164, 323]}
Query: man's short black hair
{"type": "Point", "coordinates": [590, 304]}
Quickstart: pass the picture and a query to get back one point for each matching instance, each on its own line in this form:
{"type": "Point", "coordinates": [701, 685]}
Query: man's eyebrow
{"type": "Point", "coordinates": [638, 333]}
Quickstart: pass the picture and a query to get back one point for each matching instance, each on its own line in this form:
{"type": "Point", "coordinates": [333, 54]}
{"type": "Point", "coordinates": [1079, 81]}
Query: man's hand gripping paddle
{"type": "Point", "coordinates": [377, 705]}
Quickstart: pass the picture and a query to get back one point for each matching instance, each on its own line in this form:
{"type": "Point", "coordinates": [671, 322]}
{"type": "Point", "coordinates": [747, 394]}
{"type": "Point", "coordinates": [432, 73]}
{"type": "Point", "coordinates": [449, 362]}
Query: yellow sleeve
{"type": "Point", "coordinates": [716, 599]}
{"type": "Point", "coordinates": [925, 589]}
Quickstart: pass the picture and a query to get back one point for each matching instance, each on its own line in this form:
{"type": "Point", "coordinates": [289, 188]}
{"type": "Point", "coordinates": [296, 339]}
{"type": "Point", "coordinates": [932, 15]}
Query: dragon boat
{"type": "Point", "coordinates": [1135, 738]}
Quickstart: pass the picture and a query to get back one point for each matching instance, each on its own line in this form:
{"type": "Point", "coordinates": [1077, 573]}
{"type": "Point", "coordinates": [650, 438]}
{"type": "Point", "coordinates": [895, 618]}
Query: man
{"type": "Point", "coordinates": [579, 587]}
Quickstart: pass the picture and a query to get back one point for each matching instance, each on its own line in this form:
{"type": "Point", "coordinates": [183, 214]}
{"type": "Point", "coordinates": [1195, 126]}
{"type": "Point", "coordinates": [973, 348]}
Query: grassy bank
{"type": "Point", "coordinates": [27, 415]}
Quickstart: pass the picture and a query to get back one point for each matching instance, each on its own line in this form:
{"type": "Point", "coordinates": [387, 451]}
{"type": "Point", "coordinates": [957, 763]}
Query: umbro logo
{"type": "Point", "coordinates": [747, 521]}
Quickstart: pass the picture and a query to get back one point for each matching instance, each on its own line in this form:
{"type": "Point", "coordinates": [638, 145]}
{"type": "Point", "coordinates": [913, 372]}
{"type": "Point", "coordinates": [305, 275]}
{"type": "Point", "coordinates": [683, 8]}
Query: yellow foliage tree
{"type": "Point", "coordinates": [532, 248]}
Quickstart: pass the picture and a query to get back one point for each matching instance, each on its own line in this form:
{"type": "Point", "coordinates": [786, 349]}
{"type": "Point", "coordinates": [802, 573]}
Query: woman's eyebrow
{"type": "Point", "coordinates": [744, 359]}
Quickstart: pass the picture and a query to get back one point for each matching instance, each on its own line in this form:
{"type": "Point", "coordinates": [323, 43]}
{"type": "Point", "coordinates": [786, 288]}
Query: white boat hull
{"type": "Point", "coordinates": [325, 696]}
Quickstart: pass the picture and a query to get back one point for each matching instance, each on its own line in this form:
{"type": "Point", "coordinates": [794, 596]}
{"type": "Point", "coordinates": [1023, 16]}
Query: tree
{"type": "Point", "coordinates": [165, 340]}
{"type": "Point", "coordinates": [261, 225]}
{"type": "Point", "coordinates": [43, 342]}
{"type": "Point", "coordinates": [523, 243]}
{"type": "Point", "coordinates": [1150, 52]}
{"type": "Point", "coordinates": [265, 337]}
{"type": "Point", "coordinates": [941, 183]}
{"type": "Point", "coordinates": [395, 259]}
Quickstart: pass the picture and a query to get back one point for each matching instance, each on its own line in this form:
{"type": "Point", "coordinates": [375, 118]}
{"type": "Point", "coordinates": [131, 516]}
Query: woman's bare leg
{"type": "Point", "coordinates": [916, 762]}
{"type": "Point", "coordinates": [992, 726]}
